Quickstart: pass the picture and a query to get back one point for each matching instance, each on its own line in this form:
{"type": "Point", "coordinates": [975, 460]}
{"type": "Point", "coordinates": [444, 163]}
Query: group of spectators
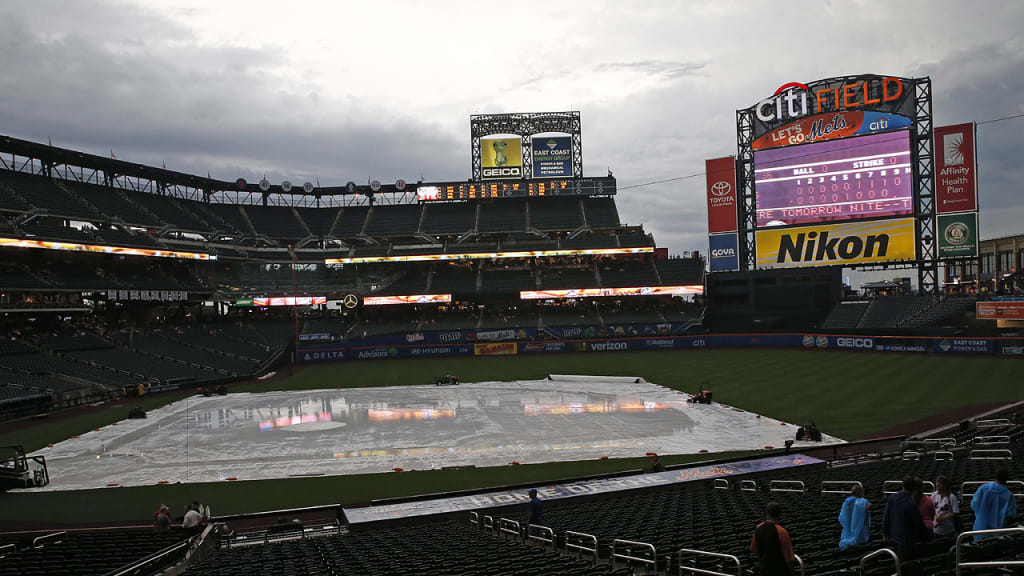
{"type": "Point", "coordinates": [195, 518]}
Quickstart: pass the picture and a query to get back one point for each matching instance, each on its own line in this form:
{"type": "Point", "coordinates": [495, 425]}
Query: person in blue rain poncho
{"type": "Point", "coordinates": [855, 518]}
{"type": "Point", "coordinates": [994, 505]}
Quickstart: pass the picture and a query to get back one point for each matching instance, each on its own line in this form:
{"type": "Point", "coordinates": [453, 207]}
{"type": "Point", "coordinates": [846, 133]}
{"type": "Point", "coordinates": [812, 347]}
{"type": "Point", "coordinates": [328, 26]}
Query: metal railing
{"type": "Point", "coordinates": [894, 486]}
{"type": "Point", "coordinates": [748, 486]}
{"type": "Point", "coordinates": [991, 454]}
{"type": "Point", "coordinates": [721, 484]}
{"type": "Point", "coordinates": [997, 440]}
{"type": "Point", "coordinates": [990, 563]}
{"type": "Point", "coordinates": [506, 526]}
{"type": "Point", "coordinates": [993, 423]}
{"type": "Point", "coordinates": [8, 549]}
{"type": "Point", "coordinates": [882, 552]}
{"type": "Point", "coordinates": [1011, 484]}
{"type": "Point", "coordinates": [539, 533]}
{"type": "Point", "coordinates": [48, 539]}
{"type": "Point", "coordinates": [942, 441]}
{"type": "Point", "coordinates": [783, 486]}
{"type": "Point", "coordinates": [849, 484]}
{"type": "Point", "coordinates": [474, 519]}
{"type": "Point", "coordinates": [941, 455]}
{"type": "Point", "coordinates": [629, 546]}
{"type": "Point", "coordinates": [910, 455]}
{"type": "Point", "coordinates": [716, 555]}
{"type": "Point", "coordinates": [578, 541]}
{"type": "Point", "coordinates": [159, 559]}
{"type": "Point", "coordinates": [489, 523]}
{"type": "Point", "coordinates": [799, 563]}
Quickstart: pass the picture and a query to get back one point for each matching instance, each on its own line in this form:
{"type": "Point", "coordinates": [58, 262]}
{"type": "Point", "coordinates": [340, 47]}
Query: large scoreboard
{"type": "Point", "coordinates": [826, 174]}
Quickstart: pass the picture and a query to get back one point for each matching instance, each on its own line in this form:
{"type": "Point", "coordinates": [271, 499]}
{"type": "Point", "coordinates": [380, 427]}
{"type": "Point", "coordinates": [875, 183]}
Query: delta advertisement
{"type": "Point", "coordinates": [1000, 310]}
{"type": "Point", "coordinates": [958, 235]}
{"type": "Point", "coordinates": [552, 157]}
{"type": "Point", "coordinates": [956, 169]}
{"type": "Point", "coordinates": [724, 250]}
{"type": "Point", "coordinates": [830, 126]}
{"type": "Point", "coordinates": [722, 195]}
{"type": "Point", "coordinates": [501, 158]}
{"type": "Point", "coordinates": [860, 242]}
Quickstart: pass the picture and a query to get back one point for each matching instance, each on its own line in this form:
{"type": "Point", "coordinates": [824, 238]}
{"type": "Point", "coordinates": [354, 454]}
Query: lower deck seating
{"type": "Point", "coordinates": [86, 553]}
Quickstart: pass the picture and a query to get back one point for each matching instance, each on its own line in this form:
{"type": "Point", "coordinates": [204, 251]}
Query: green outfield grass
{"type": "Point", "coordinates": [849, 394]}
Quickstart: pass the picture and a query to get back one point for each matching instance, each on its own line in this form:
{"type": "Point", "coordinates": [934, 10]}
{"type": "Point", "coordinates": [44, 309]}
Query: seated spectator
{"type": "Point", "coordinates": [947, 507]}
{"type": "Point", "coordinates": [772, 545]}
{"type": "Point", "coordinates": [855, 518]}
{"type": "Point", "coordinates": [993, 504]}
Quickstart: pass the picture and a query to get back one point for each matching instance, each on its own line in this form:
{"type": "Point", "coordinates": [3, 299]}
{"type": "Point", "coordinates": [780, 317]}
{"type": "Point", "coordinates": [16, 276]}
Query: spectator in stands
{"type": "Point", "coordinates": [925, 505]}
{"type": "Point", "coordinates": [855, 518]}
{"type": "Point", "coordinates": [204, 511]}
{"type": "Point", "coordinates": [657, 466]}
{"type": "Point", "coordinates": [535, 509]}
{"type": "Point", "coordinates": [192, 519]}
{"type": "Point", "coordinates": [993, 504]}
{"type": "Point", "coordinates": [901, 521]}
{"type": "Point", "coordinates": [946, 509]}
{"type": "Point", "coordinates": [162, 520]}
{"type": "Point", "coordinates": [772, 545]}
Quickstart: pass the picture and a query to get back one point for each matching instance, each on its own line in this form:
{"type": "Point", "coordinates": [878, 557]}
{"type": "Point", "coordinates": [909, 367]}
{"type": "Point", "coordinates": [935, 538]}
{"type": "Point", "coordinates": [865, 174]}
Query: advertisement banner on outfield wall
{"type": "Point", "coordinates": [552, 156]}
{"type": "Point", "coordinates": [501, 158]}
{"type": "Point", "coordinates": [859, 242]}
{"type": "Point", "coordinates": [956, 169]}
{"type": "Point", "coordinates": [495, 349]}
{"type": "Point", "coordinates": [725, 252]}
{"type": "Point", "coordinates": [1000, 310]}
{"type": "Point", "coordinates": [965, 346]}
{"type": "Point", "coordinates": [543, 347]}
{"type": "Point", "coordinates": [321, 355]}
{"type": "Point", "coordinates": [722, 195]}
{"type": "Point", "coordinates": [958, 235]}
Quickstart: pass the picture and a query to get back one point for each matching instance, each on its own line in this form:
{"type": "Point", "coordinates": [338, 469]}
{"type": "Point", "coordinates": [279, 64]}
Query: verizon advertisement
{"type": "Point", "coordinates": [956, 169]}
{"type": "Point", "coordinates": [722, 198]}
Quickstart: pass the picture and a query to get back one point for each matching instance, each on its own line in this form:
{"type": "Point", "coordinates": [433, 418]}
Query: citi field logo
{"type": "Point", "coordinates": [794, 99]}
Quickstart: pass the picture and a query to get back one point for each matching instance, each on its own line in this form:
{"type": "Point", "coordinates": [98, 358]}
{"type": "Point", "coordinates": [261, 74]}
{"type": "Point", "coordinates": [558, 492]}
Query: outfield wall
{"type": "Point", "coordinates": [364, 350]}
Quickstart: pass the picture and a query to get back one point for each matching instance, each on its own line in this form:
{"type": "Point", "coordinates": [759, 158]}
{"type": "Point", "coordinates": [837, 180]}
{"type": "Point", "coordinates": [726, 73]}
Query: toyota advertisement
{"type": "Point", "coordinates": [863, 177]}
{"type": "Point", "coordinates": [722, 197]}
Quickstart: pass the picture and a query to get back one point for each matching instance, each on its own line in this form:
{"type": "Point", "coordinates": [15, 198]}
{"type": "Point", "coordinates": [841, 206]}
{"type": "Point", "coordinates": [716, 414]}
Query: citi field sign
{"type": "Point", "coordinates": [793, 101]}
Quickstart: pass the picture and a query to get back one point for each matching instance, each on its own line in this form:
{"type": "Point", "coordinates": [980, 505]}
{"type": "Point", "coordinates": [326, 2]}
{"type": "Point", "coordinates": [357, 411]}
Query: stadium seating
{"type": "Point", "coordinates": [555, 213]}
{"type": "Point", "coordinates": [351, 222]}
{"type": "Point", "coordinates": [601, 213]}
{"type": "Point", "coordinates": [84, 553]}
{"type": "Point", "coordinates": [113, 205]}
{"type": "Point", "coordinates": [43, 193]}
{"type": "Point", "coordinates": [943, 311]}
{"type": "Point", "coordinates": [387, 221]}
{"type": "Point", "coordinates": [626, 274]}
{"type": "Point", "coordinates": [318, 220]}
{"type": "Point", "coordinates": [275, 222]}
{"type": "Point", "coordinates": [502, 216]}
{"type": "Point", "coordinates": [892, 311]}
{"type": "Point", "coordinates": [233, 215]}
{"type": "Point", "coordinates": [449, 218]}
{"type": "Point", "coordinates": [681, 271]}
{"type": "Point", "coordinates": [447, 548]}
{"type": "Point", "coordinates": [845, 315]}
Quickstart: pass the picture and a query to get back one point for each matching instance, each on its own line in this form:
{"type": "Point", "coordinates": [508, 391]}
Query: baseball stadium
{"type": "Point", "coordinates": [498, 375]}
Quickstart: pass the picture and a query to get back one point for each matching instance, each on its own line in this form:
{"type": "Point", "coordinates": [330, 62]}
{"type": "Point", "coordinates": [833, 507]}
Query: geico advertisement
{"type": "Point", "coordinates": [836, 244]}
{"type": "Point", "coordinates": [501, 158]}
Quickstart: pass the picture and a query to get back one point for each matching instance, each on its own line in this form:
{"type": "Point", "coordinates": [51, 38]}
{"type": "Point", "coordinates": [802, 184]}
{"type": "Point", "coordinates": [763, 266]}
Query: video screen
{"type": "Point", "coordinates": [863, 177]}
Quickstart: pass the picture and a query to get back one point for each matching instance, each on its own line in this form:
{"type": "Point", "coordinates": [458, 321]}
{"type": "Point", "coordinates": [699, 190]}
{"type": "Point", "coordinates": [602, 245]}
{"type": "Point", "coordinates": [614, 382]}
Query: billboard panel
{"type": "Point", "coordinates": [601, 292]}
{"type": "Point", "coordinates": [956, 169]}
{"type": "Point", "coordinates": [721, 186]}
{"type": "Point", "coordinates": [491, 255]}
{"type": "Point", "coordinates": [958, 235]}
{"type": "Point", "coordinates": [552, 157]}
{"type": "Point", "coordinates": [501, 158]}
{"type": "Point", "coordinates": [413, 299]}
{"type": "Point", "coordinates": [831, 126]}
{"type": "Point", "coordinates": [1000, 310]}
{"type": "Point", "coordinates": [863, 177]}
{"type": "Point", "coordinates": [724, 250]}
{"type": "Point", "coordinates": [101, 249]}
{"type": "Point", "coordinates": [861, 242]}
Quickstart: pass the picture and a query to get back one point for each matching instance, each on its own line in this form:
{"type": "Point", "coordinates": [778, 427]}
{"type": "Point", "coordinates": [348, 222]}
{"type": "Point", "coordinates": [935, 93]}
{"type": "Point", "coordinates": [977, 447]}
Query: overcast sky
{"type": "Point", "coordinates": [349, 90]}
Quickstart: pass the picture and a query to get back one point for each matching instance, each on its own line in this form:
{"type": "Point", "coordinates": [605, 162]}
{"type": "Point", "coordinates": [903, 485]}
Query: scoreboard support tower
{"type": "Point", "coordinates": [525, 125]}
{"type": "Point", "coordinates": [922, 158]}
